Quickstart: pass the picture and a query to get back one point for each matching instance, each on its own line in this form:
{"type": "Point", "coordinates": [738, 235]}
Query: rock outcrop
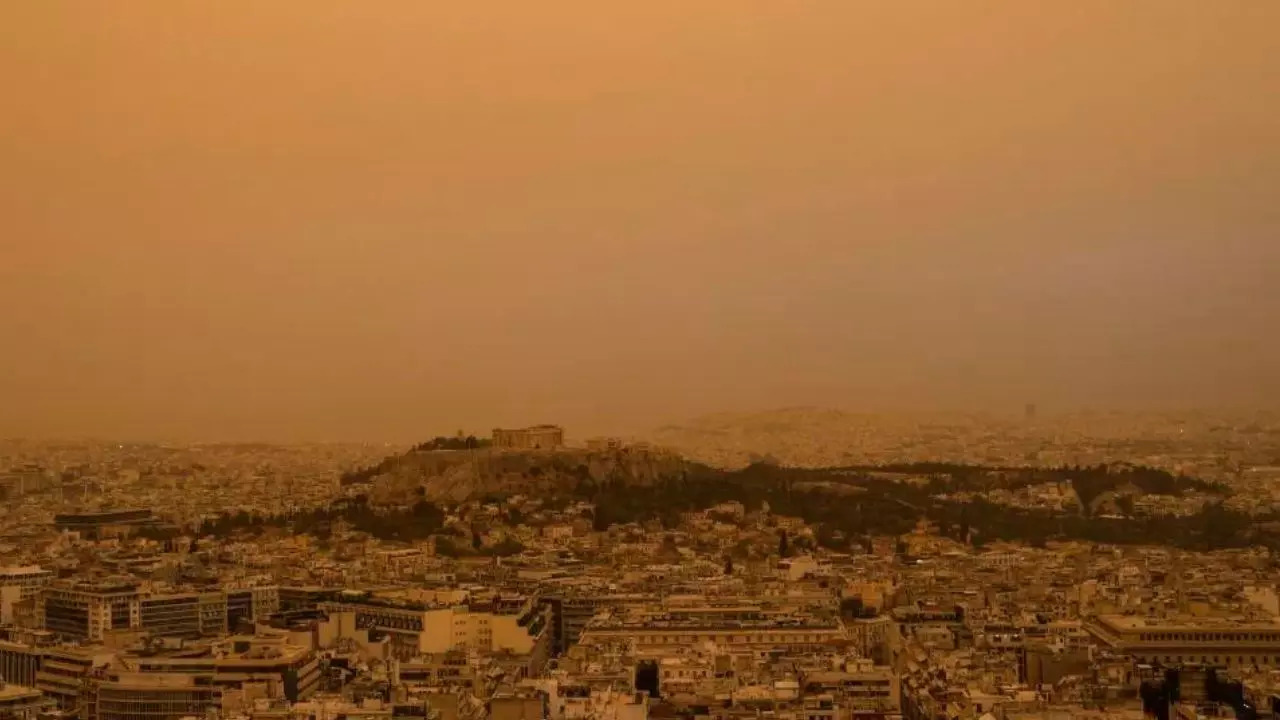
{"type": "Point", "coordinates": [454, 476]}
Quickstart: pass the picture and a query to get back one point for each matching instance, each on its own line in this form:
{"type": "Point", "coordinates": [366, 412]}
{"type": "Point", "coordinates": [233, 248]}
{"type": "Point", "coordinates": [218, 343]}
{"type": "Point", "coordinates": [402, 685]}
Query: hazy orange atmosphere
{"type": "Point", "coordinates": [382, 220]}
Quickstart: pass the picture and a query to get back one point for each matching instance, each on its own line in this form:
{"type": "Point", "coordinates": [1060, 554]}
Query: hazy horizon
{"type": "Point", "coordinates": [331, 220]}
{"type": "Point", "coordinates": [577, 435]}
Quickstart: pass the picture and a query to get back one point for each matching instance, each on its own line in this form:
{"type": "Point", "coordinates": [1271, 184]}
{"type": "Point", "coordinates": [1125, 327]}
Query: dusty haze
{"type": "Point", "coordinates": [320, 220]}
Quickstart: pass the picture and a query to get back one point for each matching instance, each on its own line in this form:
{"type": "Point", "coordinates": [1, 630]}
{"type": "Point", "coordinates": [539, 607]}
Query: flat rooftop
{"type": "Point", "coordinates": [1134, 622]}
{"type": "Point", "coordinates": [694, 624]}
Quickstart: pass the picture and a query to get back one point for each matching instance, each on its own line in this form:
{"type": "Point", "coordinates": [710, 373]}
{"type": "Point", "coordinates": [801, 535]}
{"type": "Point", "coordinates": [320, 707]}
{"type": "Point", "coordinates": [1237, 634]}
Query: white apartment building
{"type": "Point", "coordinates": [18, 584]}
{"type": "Point", "coordinates": [515, 625]}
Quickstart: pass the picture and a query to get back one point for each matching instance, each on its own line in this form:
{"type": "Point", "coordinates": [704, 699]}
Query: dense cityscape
{"type": "Point", "coordinates": [656, 360]}
{"type": "Point", "coordinates": [519, 575]}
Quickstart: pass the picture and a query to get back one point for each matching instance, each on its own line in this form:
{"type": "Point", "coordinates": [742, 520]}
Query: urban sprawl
{"type": "Point", "coordinates": [742, 568]}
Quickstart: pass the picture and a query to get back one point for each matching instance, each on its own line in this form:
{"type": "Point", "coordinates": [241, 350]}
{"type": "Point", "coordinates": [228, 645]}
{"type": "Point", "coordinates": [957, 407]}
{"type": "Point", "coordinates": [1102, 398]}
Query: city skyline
{"type": "Point", "coordinates": [669, 360]}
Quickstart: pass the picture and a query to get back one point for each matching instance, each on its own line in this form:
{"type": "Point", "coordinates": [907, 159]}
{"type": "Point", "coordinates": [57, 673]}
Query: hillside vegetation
{"type": "Point", "coordinates": [455, 476]}
{"type": "Point", "coordinates": [405, 496]}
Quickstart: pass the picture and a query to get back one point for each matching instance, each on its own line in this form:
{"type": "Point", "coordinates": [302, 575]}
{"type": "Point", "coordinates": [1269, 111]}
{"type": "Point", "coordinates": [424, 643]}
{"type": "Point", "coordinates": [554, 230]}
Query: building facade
{"type": "Point", "coordinates": [515, 625]}
{"type": "Point", "coordinates": [1217, 644]}
{"type": "Point", "coordinates": [88, 611]}
{"type": "Point", "coordinates": [746, 627]}
{"type": "Point", "coordinates": [538, 437]}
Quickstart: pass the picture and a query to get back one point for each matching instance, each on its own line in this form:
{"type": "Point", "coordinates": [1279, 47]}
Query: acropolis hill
{"type": "Point", "coordinates": [453, 476]}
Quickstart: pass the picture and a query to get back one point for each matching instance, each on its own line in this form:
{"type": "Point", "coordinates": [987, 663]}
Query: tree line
{"type": "Point", "coordinates": [368, 473]}
{"type": "Point", "coordinates": [417, 522]}
{"type": "Point", "coordinates": [886, 507]}
{"type": "Point", "coordinates": [881, 505]}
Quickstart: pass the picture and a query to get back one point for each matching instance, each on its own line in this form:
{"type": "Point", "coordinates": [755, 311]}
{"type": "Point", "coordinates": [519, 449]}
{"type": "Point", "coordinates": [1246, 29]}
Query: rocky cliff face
{"type": "Point", "coordinates": [454, 476]}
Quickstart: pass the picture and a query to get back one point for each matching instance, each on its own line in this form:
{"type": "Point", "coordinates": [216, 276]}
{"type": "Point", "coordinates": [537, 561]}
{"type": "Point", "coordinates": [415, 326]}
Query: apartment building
{"type": "Point", "coordinates": [19, 663]}
{"type": "Point", "coordinates": [447, 669]}
{"type": "Point", "coordinates": [131, 686]}
{"type": "Point", "coordinates": [511, 624]}
{"type": "Point", "coordinates": [18, 702]}
{"type": "Point", "coordinates": [88, 610]}
{"type": "Point", "coordinates": [872, 635]}
{"type": "Point", "coordinates": [175, 615]}
{"type": "Point", "coordinates": [28, 580]}
{"type": "Point", "coordinates": [748, 627]}
{"type": "Point", "coordinates": [571, 611]}
{"type": "Point", "coordinates": [517, 704]}
{"type": "Point", "coordinates": [289, 671]}
{"type": "Point", "coordinates": [859, 688]}
{"type": "Point", "coordinates": [64, 672]}
{"type": "Point", "coordinates": [141, 696]}
{"type": "Point", "coordinates": [19, 585]}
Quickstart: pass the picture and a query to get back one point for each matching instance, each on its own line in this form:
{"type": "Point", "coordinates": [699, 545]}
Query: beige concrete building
{"type": "Point", "coordinates": [18, 702]}
{"type": "Point", "coordinates": [1205, 641]}
{"type": "Point", "coordinates": [732, 626]}
{"type": "Point", "coordinates": [516, 625]}
{"type": "Point", "coordinates": [511, 705]}
{"type": "Point", "coordinates": [20, 584]}
{"type": "Point", "coordinates": [266, 660]}
{"type": "Point", "coordinates": [28, 580]}
{"type": "Point", "coordinates": [141, 696]}
{"type": "Point", "coordinates": [89, 611]}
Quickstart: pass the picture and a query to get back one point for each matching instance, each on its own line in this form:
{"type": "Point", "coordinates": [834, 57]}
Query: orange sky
{"type": "Point", "coordinates": [380, 220]}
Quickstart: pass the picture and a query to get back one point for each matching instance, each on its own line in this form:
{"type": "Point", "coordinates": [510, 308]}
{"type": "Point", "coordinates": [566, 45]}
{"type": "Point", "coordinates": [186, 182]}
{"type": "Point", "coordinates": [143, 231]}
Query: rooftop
{"type": "Point", "coordinates": [1134, 622]}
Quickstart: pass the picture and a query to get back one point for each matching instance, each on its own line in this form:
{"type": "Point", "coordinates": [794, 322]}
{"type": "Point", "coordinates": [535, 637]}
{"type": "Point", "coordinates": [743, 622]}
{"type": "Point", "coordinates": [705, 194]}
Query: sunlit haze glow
{"type": "Point", "coordinates": [381, 220]}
